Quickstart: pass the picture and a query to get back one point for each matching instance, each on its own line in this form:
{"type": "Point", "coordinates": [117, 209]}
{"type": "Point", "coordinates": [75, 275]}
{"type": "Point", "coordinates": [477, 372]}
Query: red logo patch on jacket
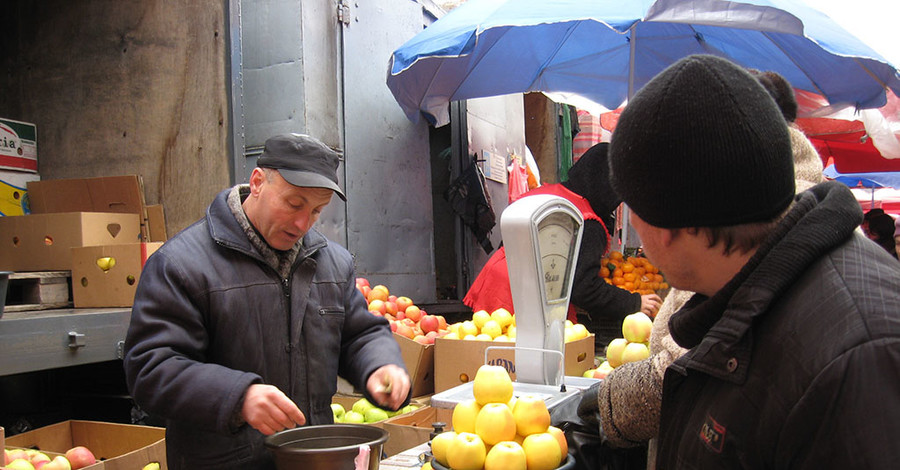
{"type": "Point", "coordinates": [712, 434]}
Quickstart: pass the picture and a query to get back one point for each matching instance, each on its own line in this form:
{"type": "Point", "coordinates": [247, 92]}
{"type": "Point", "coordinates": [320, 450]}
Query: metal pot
{"type": "Point", "coordinates": [326, 447]}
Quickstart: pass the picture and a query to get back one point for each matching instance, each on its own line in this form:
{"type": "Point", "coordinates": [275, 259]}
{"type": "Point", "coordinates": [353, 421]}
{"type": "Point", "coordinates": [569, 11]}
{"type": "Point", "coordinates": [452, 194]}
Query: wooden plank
{"type": "Point", "coordinates": [39, 290]}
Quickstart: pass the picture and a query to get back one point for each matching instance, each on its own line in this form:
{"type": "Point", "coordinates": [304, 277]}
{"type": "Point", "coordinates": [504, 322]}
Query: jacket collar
{"type": "Point", "coordinates": [717, 329]}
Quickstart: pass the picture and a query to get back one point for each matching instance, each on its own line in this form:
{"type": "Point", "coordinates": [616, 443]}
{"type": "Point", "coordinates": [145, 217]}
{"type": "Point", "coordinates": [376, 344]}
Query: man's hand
{"type": "Point", "coordinates": [650, 304]}
{"type": "Point", "coordinates": [269, 410]}
{"type": "Point", "coordinates": [389, 386]}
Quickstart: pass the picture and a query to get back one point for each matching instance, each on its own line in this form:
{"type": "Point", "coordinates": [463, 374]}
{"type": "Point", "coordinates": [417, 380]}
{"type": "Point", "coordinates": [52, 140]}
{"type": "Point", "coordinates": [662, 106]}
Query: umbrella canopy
{"type": "Point", "coordinates": [882, 179]}
{"type": "Point", "coordinates": [605, 50]}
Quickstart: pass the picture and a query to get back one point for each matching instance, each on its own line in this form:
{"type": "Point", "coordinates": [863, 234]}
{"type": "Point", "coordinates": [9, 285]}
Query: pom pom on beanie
{"type": "Point", "coordinates": [702, 145]}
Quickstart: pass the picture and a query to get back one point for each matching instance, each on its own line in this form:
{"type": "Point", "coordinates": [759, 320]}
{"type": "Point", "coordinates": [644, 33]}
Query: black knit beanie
{"type": "Point", "coordinates": [702, 145]}
{"type": "Point", "coordinates": [589, 178]}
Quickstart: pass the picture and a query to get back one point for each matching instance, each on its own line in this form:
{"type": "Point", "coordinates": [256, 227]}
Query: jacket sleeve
{"type": "Point", "coordinates": [164, 351]}
{"type": "Point", "coordinates": [589, 291]}
{"type": "Point", "coordinates": [367, 341]}
{"type": "Point", "coordinates": [630, 398]}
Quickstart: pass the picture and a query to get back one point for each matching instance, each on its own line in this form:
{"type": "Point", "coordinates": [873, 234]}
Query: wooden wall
{"type": "Point", "coordinates": [124, 87]}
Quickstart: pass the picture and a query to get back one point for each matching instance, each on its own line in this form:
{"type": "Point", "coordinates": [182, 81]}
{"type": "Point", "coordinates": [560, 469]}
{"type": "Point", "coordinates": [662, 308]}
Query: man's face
{"type": "Point", "coordinates": [663, 251]}
{"type": "Point", "coordinates": [897, 245]}
{"type": "Point", "coordinates": [282, 212]}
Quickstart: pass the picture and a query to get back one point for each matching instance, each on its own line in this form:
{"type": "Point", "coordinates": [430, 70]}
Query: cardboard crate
{"type": "Point", "coordinates": [115, 287]}
{"type": "Point", "coordinates": [43, 242]}
{"type": "Point", "coordinates": [117, 446]}
{"type": "Point", "coordinates": [456, 361]}
{"type": "Point", "coordinates": [412, 429]}
{"type": "Point", "coordinates": [419, 361]}
{"type": "Point", "coordinates": [18, 145]}
{"type": "Point", "coordinates": [118, 194]}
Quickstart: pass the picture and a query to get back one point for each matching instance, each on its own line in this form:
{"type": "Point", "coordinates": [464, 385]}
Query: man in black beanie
{"type": "Point", "coordinates": [794, 333]}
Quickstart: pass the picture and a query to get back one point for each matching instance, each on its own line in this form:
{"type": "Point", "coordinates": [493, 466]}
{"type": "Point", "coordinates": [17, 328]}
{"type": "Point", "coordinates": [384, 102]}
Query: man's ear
{"type": "Point", "coordinates": [667, 236]}
{"type": "Point", "coordinates": [257, 178]}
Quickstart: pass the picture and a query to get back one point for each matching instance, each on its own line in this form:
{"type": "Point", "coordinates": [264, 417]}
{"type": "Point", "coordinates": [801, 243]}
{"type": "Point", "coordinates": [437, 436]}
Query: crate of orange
{"type": "Point", "coordinates": [632, 273]}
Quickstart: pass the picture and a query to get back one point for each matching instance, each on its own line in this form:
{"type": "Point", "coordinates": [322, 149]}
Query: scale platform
{"type": "Point", "coordinates": [561, 405]}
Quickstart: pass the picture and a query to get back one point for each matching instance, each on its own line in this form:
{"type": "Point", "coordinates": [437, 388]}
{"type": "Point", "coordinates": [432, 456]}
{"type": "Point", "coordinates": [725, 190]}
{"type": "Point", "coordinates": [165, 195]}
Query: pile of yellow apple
{"type": "Point", "coordinates": [32, 459]}
{"type": "Point", "coordinates": [631, 347]}
{"type": "Point", "coordinates": [364, 411]}
{"type": "Point", "coordinates": [497, 431]}
{"type": "Point", "coordinates": [405, 317]}
{"type": "Point", "coordinates": [500, 325]}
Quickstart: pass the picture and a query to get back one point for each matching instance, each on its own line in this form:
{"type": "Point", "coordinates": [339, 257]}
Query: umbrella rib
{"type": "Point", "coordinates": [785, 54]}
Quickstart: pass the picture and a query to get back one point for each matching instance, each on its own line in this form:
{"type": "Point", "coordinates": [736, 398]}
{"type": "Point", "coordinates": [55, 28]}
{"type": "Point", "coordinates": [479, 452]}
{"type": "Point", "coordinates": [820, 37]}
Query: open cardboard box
{"type": "Point", "coordinates": [456, 361]}
{"type": "Point", "coordinates": [394, 445]}
{"type": "Point", "coordinates": [120, 194]}
{"type": "Point", "coordinates": [42, 242]}
{"type": "Point", "coordinates": [115, 287]}
{"type": "Point", "coordinates": [412, 429]}
{"type": "Point", "coordinates": [116, 446]}
{"type": "Point", "coordinates": [419, 361]}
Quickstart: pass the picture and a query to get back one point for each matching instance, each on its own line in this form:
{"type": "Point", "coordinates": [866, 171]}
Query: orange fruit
{"type": "Point", "coordinates": [618, 280]}
{"type": "Point", "coordinates": [604, 272]}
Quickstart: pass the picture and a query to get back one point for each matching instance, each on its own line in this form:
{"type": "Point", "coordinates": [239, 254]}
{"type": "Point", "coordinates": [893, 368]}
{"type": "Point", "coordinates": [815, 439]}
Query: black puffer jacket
{"type": "Point", "coordinates": [795, 362]}
{"type": "Point", "coordinates": [210, 318]}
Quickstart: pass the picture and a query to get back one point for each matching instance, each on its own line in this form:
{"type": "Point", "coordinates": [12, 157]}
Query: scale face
{"type": "Point", "coordinates": [541, 235]}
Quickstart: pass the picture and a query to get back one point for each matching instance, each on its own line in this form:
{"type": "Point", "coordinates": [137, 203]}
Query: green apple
{"type": "Point", "coordinates": [338, 412]}
{"type": "Point", "coordinates": [362, 405]}
{"type": "Point", "coordinates": [354, 417]}
{"type": "Point", "coordinates": [375, 414]}
{"type": "Point", "coordinates": [408, 408]}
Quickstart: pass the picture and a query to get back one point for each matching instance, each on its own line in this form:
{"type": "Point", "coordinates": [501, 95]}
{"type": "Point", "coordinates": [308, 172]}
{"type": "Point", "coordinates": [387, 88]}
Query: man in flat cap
{"type": "Point", "coordinates": [793, 336]}
{"type": "Point", "coordinates": [242, 322]}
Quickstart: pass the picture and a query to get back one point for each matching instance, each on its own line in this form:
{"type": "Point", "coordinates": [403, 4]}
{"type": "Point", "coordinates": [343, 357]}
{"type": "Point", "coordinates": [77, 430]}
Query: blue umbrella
{"type": "Point", "coordinates": [605, 50]}
{"type": "Point", "coordinates": [881, 179]}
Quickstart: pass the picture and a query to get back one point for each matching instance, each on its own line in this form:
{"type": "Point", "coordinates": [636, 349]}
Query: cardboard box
{"type": "Point", "coordinates": [119, 194]}
{"type": "Point", "coordinates": [13, 200]}
{"type": "Point", "coordinates": [18, 145]}
{"type": "Point", "coordinates": [419, 361]}
{"type": "Point", "coordinates": [43, 242]}
{"type": "Point", "coordinates": [115, 287]}
{"type": "Point", "coordinates": [117, 446]}
{"type": "Point", "coordinates": [156, 223]}
{"type": "Point", "coordinates": [456, 361]}
{"type": "Point", "coordinates": [412, 429]}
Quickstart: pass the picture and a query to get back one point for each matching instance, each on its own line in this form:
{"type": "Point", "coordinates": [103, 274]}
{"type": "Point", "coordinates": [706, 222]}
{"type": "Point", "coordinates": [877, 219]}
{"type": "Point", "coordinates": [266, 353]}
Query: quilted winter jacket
{"type": "Point", "coordinates": [210, 318]}
{"type": "Point", "coordinates": [795, 362]}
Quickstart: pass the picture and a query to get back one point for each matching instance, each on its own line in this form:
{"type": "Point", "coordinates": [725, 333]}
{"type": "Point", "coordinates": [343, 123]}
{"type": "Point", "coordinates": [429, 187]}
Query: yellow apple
{"type": "Point", "coordinates": [503, 317]}
{"type": "Point", "coordinates": [580, 331]}
{"type": "Point", "coordinates": [19, 464]}
{"type": "Point", "coordinates": [542, 451]}
{"type": "Point", "coordinates": [466, 452]}
{"type": "Point", "coordinates": [503, 339]}
{"type": "Point", "coordinates": [464, 415]}
{"type": "Point", "coordinates": [492, 328]}
{"type": "Point", "coordinates": [614, 351]}
{"type": "Point", "coordinates": [58, 463]}
{"type": "Point", "coordinates": [151, 466]}
{"type": "Point", "coordinates": [589, 373]}
{"type": "Point", "coordinates": [480, 317]}
{"type": "Point", "coordinates": [483, 337]}
{"type": "Point", "coordinates": [636, 327]}
{"type": "Point", "coordinates": [467, 328]}
{"type": "Point", "coordinates": [440, 446]}
{"type": "Point", "coordinates": [561, 439]}
{"type": "Point", "coordinates": [106, 263]}
{"type": "Point", "coordinates": [635, 352]}
{"type": "Point", "coordinates": [506, 455]}
{"type": "Point", "coordinates": [511, 331]}
{"type": "Point", "coordinates": [603, 370]}
{"type": "Point", "coordinates": [450, 335]}
{"type": "Point", "coordinates": [492, 385]}
{"type": "Point", "coordinates": [531, 415]}
{"type": "Point", "coordinates": [495, 423]}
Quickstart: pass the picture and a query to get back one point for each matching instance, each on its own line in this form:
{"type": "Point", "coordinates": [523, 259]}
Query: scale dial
{"type": "Point", "coordinates": [556, 235]}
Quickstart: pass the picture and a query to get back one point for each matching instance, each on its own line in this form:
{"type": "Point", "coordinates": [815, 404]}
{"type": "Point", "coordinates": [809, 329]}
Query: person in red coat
{"type": "Point", "coordinates": [588, 188]}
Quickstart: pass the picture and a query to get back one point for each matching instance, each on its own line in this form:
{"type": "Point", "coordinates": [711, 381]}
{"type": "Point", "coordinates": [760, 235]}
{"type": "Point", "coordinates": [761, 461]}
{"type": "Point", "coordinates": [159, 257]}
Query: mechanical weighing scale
{"type": "Point", "coordinates": [542, 235]}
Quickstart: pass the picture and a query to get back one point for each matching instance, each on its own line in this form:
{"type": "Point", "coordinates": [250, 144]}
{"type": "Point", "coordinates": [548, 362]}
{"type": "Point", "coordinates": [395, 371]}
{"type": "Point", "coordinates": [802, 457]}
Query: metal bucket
{"type": "Point", "coordinates": [326, 447]}
{"type": "Point", "coordinates": [4, 283]}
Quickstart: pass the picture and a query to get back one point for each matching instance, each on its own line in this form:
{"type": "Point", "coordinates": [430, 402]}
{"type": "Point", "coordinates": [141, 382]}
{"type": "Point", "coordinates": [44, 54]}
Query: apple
{"type": "Point", "coordinates": [440, 446]}
{"type": "Point", "coordinates": [106, 263]}
{"type": "Point", "coordinates": [531, 415]}
{"type": "Point", "coordinates": [151, 466]}
{"type": "Point", "coordinates": [413, 312]}
{"type": "Point", "coordinates": [429, 323]}
{"type": "Point", "coordinates": [384, 289]}
{"type": "Point", "coordinates": [442, 322]}
{"type": "Point", "coordinates": [464, 415]}
{"type": "Point", "coordinates": [6, 458]}
{"type": "Point", "coordinates": [635, 352]}
{"type": "Point", "coordinates": [492, 384]}
{"type": "Point", "coordinates": [466, 452]}
{"type": "Point", "coordinates": [503, 317]}
{"type": "Point", "coordinates": [80, 456]}
{"type": "Point", "coordinates": [403, 303]}
{"type": "Point", "coordinates": [37, 458]}
{"type": "Point", "coordinates": [422, 339]}
{"type": "Point", "coordinates": [468, 327]}
{"type": "Point", "coordinates": [377, 294]}
{"type": "Point", "coordinates": [58, 463]}
{"type": "Point", "coordinates": [580, 331]}
{"type": "Point", "coordinates": [366, 290]}
{"type": "Point", "coordinates": [495, 423]}
{"type": "Point", "coordinates": [483, 337]}
{"type": "Point", "coordinates": [492, 329]}
{"type": "Point", "coordinates": [390, 307]}
{"type": "Point", "coordinates": [392, 298]}
{"type": "Point", "coordinates": [480, 318]}
{"type": "Point", "coordinates": [636, 327]}
{"type": "Point", "coordinates": [405, 330]}
{"type": "Point", "coordinates": [603, 370]}
{"type": "Point", "coordinates": [19, 464]}
{"type": "Point", "coordinates": [561, 439]}
{"type": "Point", "coordinates": [378, 305]}
{"type": "Point", "coordinates": [16, 454]}
{"type": "Point", "coordinates": [432, 335]}
{"type": "Point", "coordinates": [338, 410]}
{"type": "Point", "coordinates": [361, 406]}
{"type": "Point", "coordinates": [394, 325]}
{"type": "Point", "coordinates": [542, 451]}
{"type": "Point", "coordinates": [361, 281]}
{"type": "Point", "coordinates": [614, 351]}
{"type": "Point", "coordinates": [511, 332]}
{"type": "Point", "coordinates": [375, 414]}
{"type": "Point", "coordinates": [354, 417]}
{"type": "Point", "coordinates": [507, 455]}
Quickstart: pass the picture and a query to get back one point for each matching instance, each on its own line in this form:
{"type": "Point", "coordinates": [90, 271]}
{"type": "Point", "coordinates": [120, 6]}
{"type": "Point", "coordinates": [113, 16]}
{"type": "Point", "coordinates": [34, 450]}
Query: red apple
{"type": "Point", "coordinates": [390, 307]}
{"type": "Point", "coordinates": [442, 321]}
{"type": "Point", "coordinates": [403, 303]}
{"type": "Point", "coordinates": [376, 313]}
{"type": "Point", "coordinates": [405, 330]}
{"type": "Point", "coordinates": [365, 292]}
{"type": "Point", "coordinates": [378, 306]}
{"type": "Point", "coordinates": [422, 339]}
{"type": "Point", "coordinates": [413, 312]}
{"type": "Point", "coordinates": [429, 323]}
{"type": "Point", "coordinates": [80, 456]}
{"type": "Point", "coordinates": [392, 298]}
{"type": "Point", "coordinates": [432, 335]}
{"type": "Point", "coordinates": [393, 326]}
{"type": "Point", "coordinates": [361, 281]}
{"type": "Point", "coordinates": [400, 315]}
